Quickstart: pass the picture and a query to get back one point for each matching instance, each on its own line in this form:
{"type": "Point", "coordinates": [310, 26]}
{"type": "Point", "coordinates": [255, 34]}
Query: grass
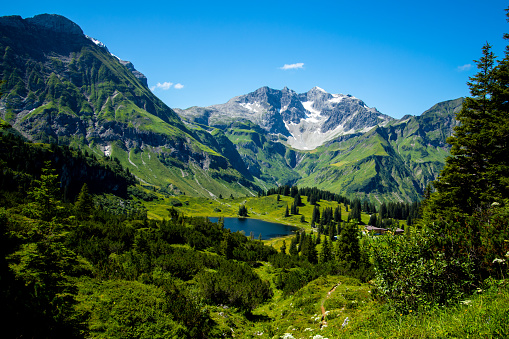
{"type": "Point", "coordinates": [484, 315]}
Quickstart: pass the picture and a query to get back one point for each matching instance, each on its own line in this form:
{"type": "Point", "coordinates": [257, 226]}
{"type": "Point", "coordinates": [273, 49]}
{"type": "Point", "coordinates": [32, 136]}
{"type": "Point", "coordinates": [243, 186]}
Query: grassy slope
{"type": "Point", "coordinates": [482, 316]}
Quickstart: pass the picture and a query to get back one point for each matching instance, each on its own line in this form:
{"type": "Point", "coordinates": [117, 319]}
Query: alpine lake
{"type": "Point", "coordinates": [267, 229]}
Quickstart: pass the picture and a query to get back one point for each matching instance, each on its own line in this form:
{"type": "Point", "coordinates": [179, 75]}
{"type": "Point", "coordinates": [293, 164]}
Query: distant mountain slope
{"type": "Point", "coordinates": [333, 142]}
{"type": "Point", "coordinates": [307, 119]}
{"type": "Point", "coordinates": [64, 87]}
{"type": "Point", "coordinates": [393, 162]}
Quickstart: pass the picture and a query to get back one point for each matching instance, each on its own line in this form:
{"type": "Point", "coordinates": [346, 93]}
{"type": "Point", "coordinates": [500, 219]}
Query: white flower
{"type": "Point", "coordinates": [345, 322]}
{"type": "Point", "coordinates": [498, 260]}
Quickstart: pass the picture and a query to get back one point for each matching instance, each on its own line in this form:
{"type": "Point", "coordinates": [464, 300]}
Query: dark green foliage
{"type": "Point", "coordinates": [175, 203]}
{"type": "Point", "coordinates": [234, 284]}
{"type": "Point", "coordinates": [84, 203]}
{"type": "Point", "coordinates": [348, 251]}
{"type": "Point", "coordinates": [464, 226]}
{"type": "Point", "coordinates": [243, 211]}
{"type": "Point", "coordinates": [118, 263]}
{"type": "Point", "coordinates": [355, 211]}
{"type": "Point", "coordinates": [326, 252]}
{"type": "Point", "coordinates": [475, 175]}
{"type": "Point", "coordinates": [142, 193]}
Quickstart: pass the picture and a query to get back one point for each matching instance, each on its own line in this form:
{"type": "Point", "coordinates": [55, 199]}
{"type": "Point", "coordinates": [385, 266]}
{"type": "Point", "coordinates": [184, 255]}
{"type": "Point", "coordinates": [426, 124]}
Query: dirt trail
{"type": "Point", "coordinates": [323, 322]}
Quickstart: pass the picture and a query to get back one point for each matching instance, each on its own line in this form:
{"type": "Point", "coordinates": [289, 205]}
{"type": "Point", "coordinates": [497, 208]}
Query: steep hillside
{"type": "Point", "coordinates": [395, 162]}
{"type": "Point", "coordinates": [63, 87]}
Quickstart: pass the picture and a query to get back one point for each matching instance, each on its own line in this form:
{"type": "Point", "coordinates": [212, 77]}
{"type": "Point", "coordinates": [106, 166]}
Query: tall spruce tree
{"type": "Point", "coordinates": [348, 250]}
{"type": "Point", "coordinates": [476, 174]}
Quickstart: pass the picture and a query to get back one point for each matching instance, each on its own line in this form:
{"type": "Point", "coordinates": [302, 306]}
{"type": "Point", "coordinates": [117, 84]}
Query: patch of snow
{"type": "Point", "coordinates": [336, 98]}
{"type": "Point", "coordinates": [253, 107]}
{"type": "Point", "coordinates": [95, 41]}
{"type": "Point", "coordinates": [320, 89]}
{"type": "Point", "coordinates": [283, 109]}
{"type": "Point", "coordinates": [107, 150]}
{"type": "Point", "coordinates": [315, 115]}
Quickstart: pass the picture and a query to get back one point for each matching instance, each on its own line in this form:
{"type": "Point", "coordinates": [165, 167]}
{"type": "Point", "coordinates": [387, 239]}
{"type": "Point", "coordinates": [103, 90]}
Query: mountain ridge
{"type": "Point", "coordinates": [307, 120]}
{"type": "Point", "coordinates": [61, 86]}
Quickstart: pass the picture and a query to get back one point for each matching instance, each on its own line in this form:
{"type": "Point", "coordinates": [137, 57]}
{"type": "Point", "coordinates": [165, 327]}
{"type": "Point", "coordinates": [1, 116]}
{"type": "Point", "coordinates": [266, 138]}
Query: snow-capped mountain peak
{"type": "Point", "coordinates": [307, 120]}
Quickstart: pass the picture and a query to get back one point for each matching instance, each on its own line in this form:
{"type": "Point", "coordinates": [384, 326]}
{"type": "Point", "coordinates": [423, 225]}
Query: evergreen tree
{"type": "Point", "coordinates": [293, 247]}
{"type": "Point", "coordinates": [348, 251]}
{"type": "Point", "coordinates": [283, 247]}
{"type": "Point", "coordinates": [84, 203]}
{"type": "Point", "coordinates": [476, 174]}
{"type": "Point", "coordinates": [311, 253]}
{"type": "Point", "coordinates": [337, 214]}
{"type": "Point", "coordinates": [326, 252]}
{"type": "Point", "coordinates": [242, 211]}
{"type": "Point", "coordinates": [44, 194]}
{"type": "Point", "coordinates": [372, 220]}
{"type": "Point", "coordinates": [294, 191]}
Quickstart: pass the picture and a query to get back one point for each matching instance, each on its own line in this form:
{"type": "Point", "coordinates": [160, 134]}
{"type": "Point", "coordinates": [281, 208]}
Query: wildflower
{"type": "Point", "coordinates": [345, 322]}
{"type": "Point", "coordinates": [497, 260]}
{"type": "Point", "coordinates": [410, 311]}
{"type": "Point", "coordinates": [308, 329]}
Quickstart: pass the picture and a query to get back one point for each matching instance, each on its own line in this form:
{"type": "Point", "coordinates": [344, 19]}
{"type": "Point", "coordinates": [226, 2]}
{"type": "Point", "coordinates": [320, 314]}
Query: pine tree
{"type": "Point", "coordinates": [476, 174]}
{"type": "Point", "coordinates": [347, 247]}
{"type": "Point", "coordinates": [311, 253]}
{"type": "Point", "coordinates": [326, 252]}
{"type": "Point", "coordinates": [84, 203]}
{"type": "Point", "coordinates": [283, 247]}
{"type": "Point", "coordinates": [337, 214]}
{"type": "Point", "coordinates": [44, 193]}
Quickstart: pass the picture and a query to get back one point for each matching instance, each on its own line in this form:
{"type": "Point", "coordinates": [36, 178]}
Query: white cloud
{"type": "Point", "coordinates": [164, 86]}
{"type": "Point", "coordinates": [292, 66]}
{"type": "Point", "coordinates": [465, 67]}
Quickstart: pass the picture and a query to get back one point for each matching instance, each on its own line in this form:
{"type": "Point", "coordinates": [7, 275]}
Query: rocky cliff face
{"type": "Point", "coordinates": [307, 119]}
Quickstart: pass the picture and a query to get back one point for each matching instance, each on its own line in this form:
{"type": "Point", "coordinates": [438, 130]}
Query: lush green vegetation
{"type": "Point", "coordinates": [87, 252]}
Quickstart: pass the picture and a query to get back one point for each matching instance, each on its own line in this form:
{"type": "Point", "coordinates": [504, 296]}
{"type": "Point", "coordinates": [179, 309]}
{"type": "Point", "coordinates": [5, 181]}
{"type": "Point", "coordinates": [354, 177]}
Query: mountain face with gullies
{"type": "Point", "coordinates": [306, 120]}
{"type": "Point", "coordinates": [333, 141]}
{"type": "Point", "coordinates": [61, 86]}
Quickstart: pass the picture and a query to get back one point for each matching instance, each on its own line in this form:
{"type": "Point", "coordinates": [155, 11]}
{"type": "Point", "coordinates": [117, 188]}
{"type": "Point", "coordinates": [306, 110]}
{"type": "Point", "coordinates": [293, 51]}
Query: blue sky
{"type": "Point", "coordinates": [401, 57]}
